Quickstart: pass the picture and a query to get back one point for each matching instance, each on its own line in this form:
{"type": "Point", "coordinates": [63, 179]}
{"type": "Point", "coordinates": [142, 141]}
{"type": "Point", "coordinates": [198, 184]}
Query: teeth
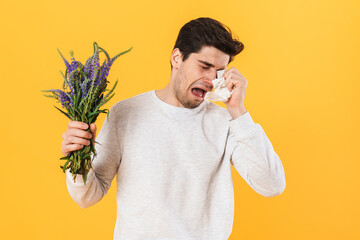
{"type": "Point", "coordinates": [199, 92]}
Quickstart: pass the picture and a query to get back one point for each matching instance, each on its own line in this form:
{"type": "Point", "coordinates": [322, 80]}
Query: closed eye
{"type": "Point", "coordinates": [205, 67]}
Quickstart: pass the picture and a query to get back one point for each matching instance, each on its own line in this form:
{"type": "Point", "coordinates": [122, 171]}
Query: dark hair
{"type": "Point", "coordinates": [207, 32]}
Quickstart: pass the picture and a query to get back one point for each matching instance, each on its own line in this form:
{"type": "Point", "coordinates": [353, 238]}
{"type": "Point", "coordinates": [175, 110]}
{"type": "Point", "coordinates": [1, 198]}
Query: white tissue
{"type": "Point", "coordinates": [220, 91]}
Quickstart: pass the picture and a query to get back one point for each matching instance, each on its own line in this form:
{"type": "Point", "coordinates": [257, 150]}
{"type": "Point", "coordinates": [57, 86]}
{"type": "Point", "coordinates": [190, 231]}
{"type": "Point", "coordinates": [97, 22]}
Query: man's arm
{"type": "Point", "coordinates": [252, 154]}
{"type": "Point", "coordinates": [105, 165]}
{"type": "Point", "coordinates": [254, 158]}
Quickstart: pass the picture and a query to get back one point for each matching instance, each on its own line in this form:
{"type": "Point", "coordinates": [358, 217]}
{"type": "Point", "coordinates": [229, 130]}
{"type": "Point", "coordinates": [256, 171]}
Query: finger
{"type": "Point", "coordinates": [229, 83]}
{"type": "Point", "coordinates": [227, 72]}
{"type": "Point", "coordinates": [70, 148]}
{"type": "Point", "coordinates": [75, 140]}
{"type": "Point", "coordinates": [93, 130]}
{"type": "Point", "coordinates": [77, 124]}
{"type": "Point", "coordinates": [78, 133]}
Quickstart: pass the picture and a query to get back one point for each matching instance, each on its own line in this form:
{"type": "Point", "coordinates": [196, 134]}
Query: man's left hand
{"type": "Point", "coordinates": [237, 82]}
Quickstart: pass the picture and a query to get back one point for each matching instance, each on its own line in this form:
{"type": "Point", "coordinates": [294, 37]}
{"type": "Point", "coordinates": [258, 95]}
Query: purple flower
{"type": "Point", "coordinates": [65, 61]}
{"type": "Point", "coordinates": [94, 65]}
{"type": "Point", "coordinates": [73, 66]}
{"type": "Point", "coordinates": [105, 68]}
{"type": "Point", "coordinates": [85, 86]}
{"type": "Point", "coordinates": [87, 67]}
{"type": "Point", "coordinates": [64, 98]}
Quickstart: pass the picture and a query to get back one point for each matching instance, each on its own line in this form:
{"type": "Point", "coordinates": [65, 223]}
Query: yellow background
{"type": "Point", "coordinates": [301, 60]}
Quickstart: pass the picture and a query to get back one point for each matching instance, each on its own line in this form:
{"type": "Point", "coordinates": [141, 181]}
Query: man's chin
{"type": "Point", "coordinates": [190, 101]}
{"type": "Point", "coordinates": [192, 104]}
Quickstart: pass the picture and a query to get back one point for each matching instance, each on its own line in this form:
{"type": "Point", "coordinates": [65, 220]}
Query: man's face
{"type": "Point", "coordinates": [194, 75]}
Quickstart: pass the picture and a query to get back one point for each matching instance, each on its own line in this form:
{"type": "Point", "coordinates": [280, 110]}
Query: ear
{"type": "Point", "coordinates": [176, 58]}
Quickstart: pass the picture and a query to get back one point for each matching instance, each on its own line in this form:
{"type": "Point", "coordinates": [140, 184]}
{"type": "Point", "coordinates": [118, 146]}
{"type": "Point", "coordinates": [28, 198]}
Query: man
{"type": "Point", "coordinates": [172, 151]}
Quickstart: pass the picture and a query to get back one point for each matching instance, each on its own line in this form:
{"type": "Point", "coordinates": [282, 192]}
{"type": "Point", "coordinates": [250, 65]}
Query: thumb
{"type": "Point", "coordinates": [93, 130]}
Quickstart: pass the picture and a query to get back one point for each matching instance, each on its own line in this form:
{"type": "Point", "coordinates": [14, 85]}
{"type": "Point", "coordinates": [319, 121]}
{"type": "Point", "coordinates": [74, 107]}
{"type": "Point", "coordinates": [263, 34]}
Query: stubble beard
{"type": "Point", "coordinates": [181, 96]}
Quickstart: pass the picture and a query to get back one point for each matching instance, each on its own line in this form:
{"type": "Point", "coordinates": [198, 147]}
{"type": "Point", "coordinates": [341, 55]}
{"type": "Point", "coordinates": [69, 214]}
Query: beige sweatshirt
{"type": "Point", "coordinates": [173, 168]}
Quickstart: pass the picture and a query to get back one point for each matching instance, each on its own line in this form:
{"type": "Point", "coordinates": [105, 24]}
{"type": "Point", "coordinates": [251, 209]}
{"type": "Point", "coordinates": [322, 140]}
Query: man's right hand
{"type": "Point", "coordinates": [76, 136]}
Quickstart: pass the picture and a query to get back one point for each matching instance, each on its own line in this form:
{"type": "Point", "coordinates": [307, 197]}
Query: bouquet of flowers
{"type": "Point", "coordinates": [83, 93]}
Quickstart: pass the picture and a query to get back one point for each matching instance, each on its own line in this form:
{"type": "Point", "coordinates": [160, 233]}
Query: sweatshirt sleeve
{"type": "Point", "coordinates": [105, 165]}
{"type": "Point", "coordinates": [254, 158]}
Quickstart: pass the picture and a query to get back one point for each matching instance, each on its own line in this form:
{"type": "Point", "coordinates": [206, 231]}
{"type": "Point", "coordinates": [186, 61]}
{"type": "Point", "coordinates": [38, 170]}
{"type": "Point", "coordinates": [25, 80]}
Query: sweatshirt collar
{"type": "Point", "coordinates": [174, 111]}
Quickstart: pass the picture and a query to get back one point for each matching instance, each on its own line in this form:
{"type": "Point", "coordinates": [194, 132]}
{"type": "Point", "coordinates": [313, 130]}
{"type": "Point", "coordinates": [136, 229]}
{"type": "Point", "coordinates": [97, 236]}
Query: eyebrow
{"type": "Point", "coordinates": [209, 64]}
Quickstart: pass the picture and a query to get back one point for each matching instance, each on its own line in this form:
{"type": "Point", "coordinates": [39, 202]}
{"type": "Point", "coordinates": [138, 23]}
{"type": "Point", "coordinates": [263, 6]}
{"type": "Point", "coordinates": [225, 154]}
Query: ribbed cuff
{"type": "Point", "coordinates": [242, 125]}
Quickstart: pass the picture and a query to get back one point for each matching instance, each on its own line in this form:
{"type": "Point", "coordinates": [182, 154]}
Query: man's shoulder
{"type": "Point", "coordinates": [217, 111]}
{"type": "Point", "coordinates": [132, 102]}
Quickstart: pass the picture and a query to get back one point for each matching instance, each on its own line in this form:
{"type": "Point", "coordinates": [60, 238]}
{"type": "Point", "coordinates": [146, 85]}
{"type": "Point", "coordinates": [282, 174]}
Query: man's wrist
{"type": "Point", "coordinates": [236, 112]}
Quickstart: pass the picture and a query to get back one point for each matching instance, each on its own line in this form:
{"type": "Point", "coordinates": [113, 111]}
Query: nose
{"type": "Point", "coordinates": [212, 73]}
{"type": "Point", "coordinates": [210, 76]}
{"type": "Point", "coordinates": [209, 83]}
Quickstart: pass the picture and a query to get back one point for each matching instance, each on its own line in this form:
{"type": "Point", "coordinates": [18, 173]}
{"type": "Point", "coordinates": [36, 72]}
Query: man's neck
{"type": "Point", "coordinates": [167, 95]}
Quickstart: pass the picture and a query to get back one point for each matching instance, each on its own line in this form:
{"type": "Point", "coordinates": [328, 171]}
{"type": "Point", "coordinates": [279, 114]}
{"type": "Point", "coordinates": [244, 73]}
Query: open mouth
{"type": "Point", "coordinates": [199, 92]}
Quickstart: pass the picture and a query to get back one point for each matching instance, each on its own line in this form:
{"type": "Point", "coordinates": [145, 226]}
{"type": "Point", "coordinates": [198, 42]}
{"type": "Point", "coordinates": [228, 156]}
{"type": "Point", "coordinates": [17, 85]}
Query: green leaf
{"type": "Point", "coordinates": [107, 116]}
{"type": "Point", "coordinates": [107, 55]}
{"type": "Point", "coordinates": [65, 80]}
{"type": "Point", "coordinates": [112, 89]}
{"type": "Point", "coordinates": [65, 165]}
{"type": "Point", "coordinates": [52, 96]}
{"type": "Point", "coordinates": [94, 113]}
{"type": "Point", "coordinates": [86, 156]}
{"type": "Point", "coordinates": [76, 99]}
{"type": "Point", "coordinates": [50, 90]}
{"type": "Point", "coordinates": [84, 178]}
{"type": "Point", "coordinates": [95, 46]}
{"type": "Point", "coordinates": [118, 55]}
{"type": "Point", "coordinates": [106, 100]}
{"type": "Point", "coordinates": [62, 56]}
{"type": "Point", "coordinates": [67, 115]}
